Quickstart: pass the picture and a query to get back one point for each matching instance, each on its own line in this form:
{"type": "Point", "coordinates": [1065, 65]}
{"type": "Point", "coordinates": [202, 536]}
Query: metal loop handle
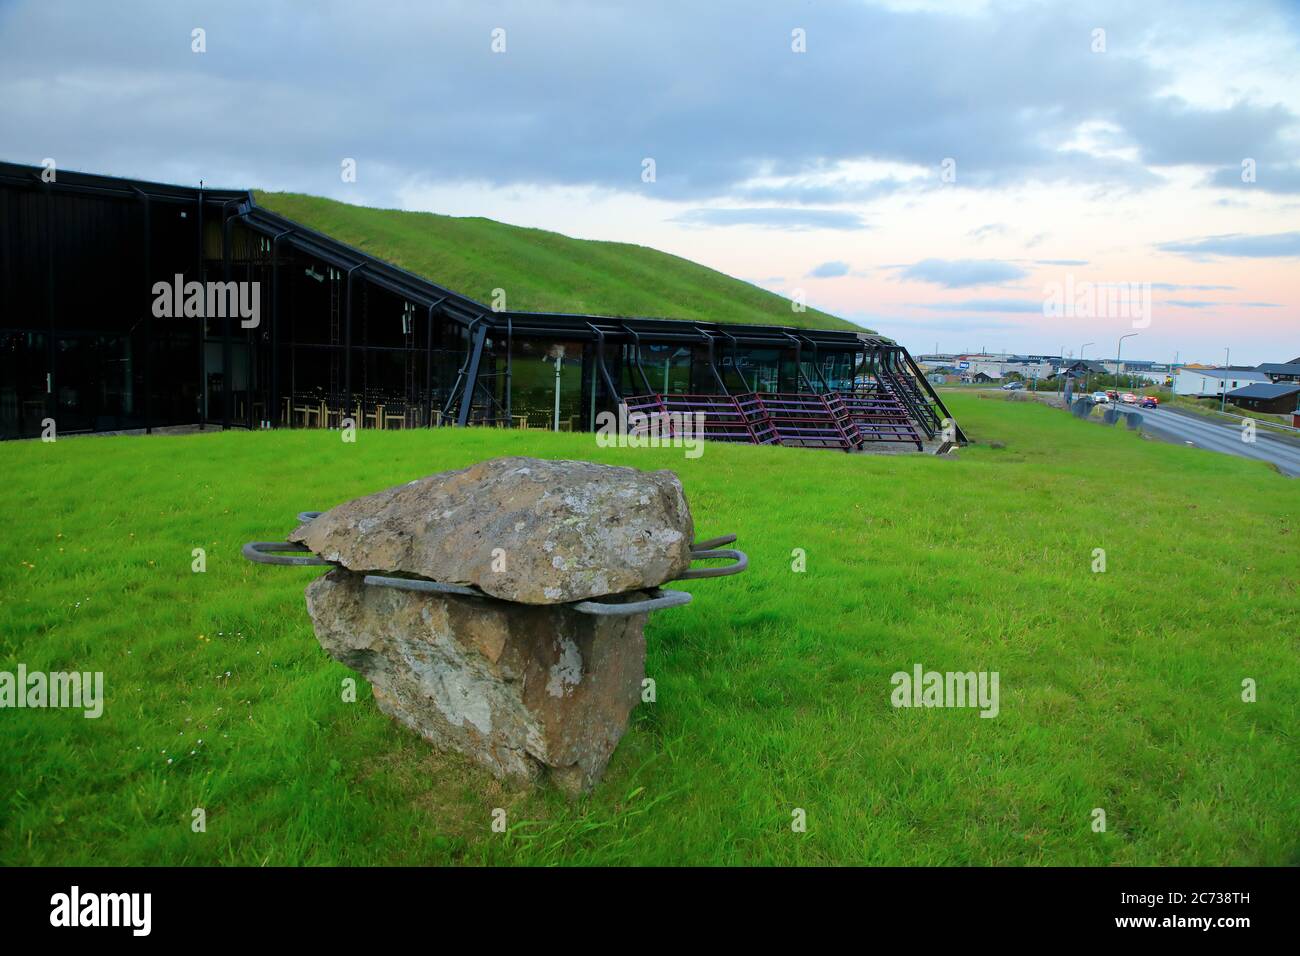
{"type": "Point", "coordinates": [422, 584]}
{"type": "Point", "coordinates": [262, 552]}
{"type": "Point", "coordinates": [657, 601]}
{"type": "Point", "coordinates": [712, 543]}
{"type": "Point", "coordinates": [740, 561]}
{"type": "Point", "coordinates": [305, 516]}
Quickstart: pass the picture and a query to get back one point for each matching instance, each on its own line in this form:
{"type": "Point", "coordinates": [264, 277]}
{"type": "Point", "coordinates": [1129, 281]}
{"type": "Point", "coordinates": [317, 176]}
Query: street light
{"type": "Point", "coordinates": [1223, 402]}
{"type": "Point", "coordinates": [1085, 368]}
{"type": "Point", "coordinates": [1119, 345]}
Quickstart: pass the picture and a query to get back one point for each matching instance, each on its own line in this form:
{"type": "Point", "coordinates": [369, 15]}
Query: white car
{"type": "Point", "coordinates": [1100, 398]}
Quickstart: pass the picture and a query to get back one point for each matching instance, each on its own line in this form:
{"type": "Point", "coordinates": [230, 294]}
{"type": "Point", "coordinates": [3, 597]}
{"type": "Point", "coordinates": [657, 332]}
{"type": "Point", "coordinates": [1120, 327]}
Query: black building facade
{"type": "Point", "coordinates": [134, 305]}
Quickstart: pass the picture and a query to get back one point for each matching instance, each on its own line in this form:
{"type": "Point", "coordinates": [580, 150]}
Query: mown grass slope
{"type": "Point", "coordinates": [543, 271]}
{"type": "Point", "coordinates": [1120, 690]}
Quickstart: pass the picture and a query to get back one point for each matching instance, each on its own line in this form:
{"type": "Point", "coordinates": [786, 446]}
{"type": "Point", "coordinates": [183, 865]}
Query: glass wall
{"type": "Point", "coordinates": [756, 370]}
{"type": "Point", "coordinates": [539, 371]}
{"type": "Point", "coordinates": [668, 368]}
{"type": "Point", "coordinates": [383, 379]}
{"type": "Point", "coordinates": [24, 362]}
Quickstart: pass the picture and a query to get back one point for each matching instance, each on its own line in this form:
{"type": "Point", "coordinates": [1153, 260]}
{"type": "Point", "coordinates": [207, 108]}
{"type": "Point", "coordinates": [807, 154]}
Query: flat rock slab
{"type": "Point", "coordinates": [531, 693]}
{"type": "Point", "coordinates": [521, 529]}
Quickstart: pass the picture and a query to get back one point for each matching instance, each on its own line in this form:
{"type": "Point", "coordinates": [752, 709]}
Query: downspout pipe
{"type": "Point", "coordinates": [347, 344]}
{"type": "Point", "coordinates": [510, 345]}
{"type": "Point", "coordinates": [600, 363]}
{"type": "Point", "coordinates": [202, 349]}
{"type": "Point", "coordinates": [428, 365]}
{"type": "Point", "coordinates": [735, 360]}
{"type": "Point", "coordinates": [817, 366]}
{"type": "Point", "coordinates": [799, 376]}
{"type": "Point", "coordinates": [636, 345]}
{"type": "Point", "coordinates": [273, 412]}
{"type": "Point", "coordinates": [227, 348]}
{"type": "Point", "coordinates": [148, 316]}
{"type": "Point", "coordinates": [712, 365]}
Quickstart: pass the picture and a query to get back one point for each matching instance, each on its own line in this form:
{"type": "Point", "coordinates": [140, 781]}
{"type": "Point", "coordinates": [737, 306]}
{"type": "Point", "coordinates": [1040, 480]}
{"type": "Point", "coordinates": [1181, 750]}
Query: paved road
{"type": "Point", "coordinates": [1184, 427]}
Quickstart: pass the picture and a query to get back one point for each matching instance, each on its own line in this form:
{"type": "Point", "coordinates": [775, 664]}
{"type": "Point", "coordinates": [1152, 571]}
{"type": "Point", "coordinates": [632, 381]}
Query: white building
{"type": "Point", "coordinates": [998, 367]}
{"type": "Point", "coordinates": [1204, 382]}
{"type": "Point", "coordinates": [1138, 371]}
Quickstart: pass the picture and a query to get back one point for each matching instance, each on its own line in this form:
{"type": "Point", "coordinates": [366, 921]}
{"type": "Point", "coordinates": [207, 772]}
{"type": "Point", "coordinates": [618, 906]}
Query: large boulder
{"type": "Point", "coordinates": [531, 693]}
{"type": "Point", "coordinates": [521, 529]}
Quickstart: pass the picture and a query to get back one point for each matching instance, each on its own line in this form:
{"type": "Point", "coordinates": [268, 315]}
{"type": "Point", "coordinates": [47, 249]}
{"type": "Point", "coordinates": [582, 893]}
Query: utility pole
{"type": "Point", "coordinates": [1085, 371]}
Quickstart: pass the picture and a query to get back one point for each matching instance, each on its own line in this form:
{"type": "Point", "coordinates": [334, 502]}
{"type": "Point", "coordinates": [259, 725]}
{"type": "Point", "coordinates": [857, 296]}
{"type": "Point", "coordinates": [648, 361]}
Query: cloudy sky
{"type": "Point", "coordinates": [933, 170]}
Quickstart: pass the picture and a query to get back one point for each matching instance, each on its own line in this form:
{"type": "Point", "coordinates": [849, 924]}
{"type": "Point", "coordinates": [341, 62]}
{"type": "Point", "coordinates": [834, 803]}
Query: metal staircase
{"type": "Point", "coordinates": [847, 421]}
{"type": "Point", "coordinates": [726, 417]}
{"type": "Point", "coordinates": [903, 387]}
{"type": "Point", "coordinates": [880, 416]}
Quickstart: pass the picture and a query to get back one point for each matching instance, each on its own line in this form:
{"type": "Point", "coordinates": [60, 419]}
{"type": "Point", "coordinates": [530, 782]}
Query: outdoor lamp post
{"type": "Point", "coordinates": [1119, 345]}
{"type": "Point", "coordinates": [1085, 370]}
{"type": "Point", "coordinates": [555, 422]}
{"type": "Point", "coordinates": [1223, 382]}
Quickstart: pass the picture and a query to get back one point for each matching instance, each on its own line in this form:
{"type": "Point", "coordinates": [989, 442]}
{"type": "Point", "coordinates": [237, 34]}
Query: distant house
{"type": "Point", "coordinates": [1211, 382]}
{"type": "Point", "coordinates": [1275, 398]}
{"type": "Point", "coordinates": [1081, 368]}
{"type": "Point", "coordinates": [1281, 371]}
{"type": "Point", "coordinates": [984, 377]}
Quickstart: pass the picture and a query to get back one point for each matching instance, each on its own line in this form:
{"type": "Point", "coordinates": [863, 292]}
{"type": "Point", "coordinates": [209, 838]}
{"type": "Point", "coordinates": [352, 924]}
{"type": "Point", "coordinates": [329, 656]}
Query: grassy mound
{"type": "Point", "coordinates": [1119, 690]}
{"type": "Point", "coordinates": [545, 271]}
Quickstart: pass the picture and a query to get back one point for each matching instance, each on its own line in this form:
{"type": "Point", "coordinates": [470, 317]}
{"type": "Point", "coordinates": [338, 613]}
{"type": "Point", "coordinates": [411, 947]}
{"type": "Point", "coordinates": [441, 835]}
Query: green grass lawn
{"type": "Point", "coordinates": [1119, 690]}
{"type": "Point", "coordinates": [543, 271]}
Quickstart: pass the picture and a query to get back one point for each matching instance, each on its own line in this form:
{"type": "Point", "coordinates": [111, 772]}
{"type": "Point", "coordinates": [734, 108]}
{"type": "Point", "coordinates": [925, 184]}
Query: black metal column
{"type": "Point", "coordinates": [148, 315]}
{"type": "Point", "coordinates": [202, 326]}
{"type": "Point", "coordinates": [52, 379]}
{"type": "Point", "coordinates": [227, 347]}
{"type": "Point", "coordinates": [471, 375]}
{"type": "Point", "coordinates": [510, 344]}
{"type": "Point", "coordinates": [273, 413]}
{"type": "Point", "coordinates": [428, 368]}
{"type": "Point", "coordinates": [347, 349]}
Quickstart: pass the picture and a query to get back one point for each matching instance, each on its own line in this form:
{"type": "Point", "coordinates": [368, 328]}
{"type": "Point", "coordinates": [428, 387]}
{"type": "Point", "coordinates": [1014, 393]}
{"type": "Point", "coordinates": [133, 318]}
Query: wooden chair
{"type": "Point", "coordinates": [373, 417]}
{"type": "Point", "coordinates": [302, 406]}
{"type": "Point", "coordinates": [333, 417]}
